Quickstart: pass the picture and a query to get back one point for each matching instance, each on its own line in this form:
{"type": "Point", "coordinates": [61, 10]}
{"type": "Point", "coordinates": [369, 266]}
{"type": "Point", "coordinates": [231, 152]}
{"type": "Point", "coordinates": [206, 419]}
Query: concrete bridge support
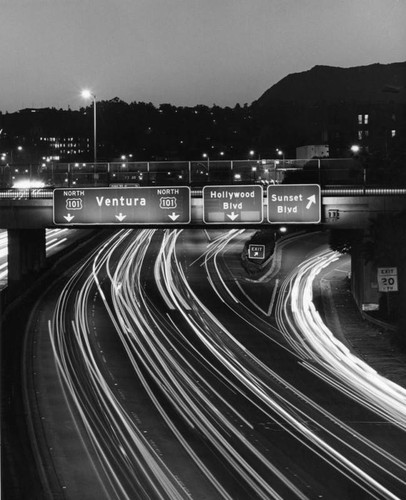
{"type": "Point", "coordinates": [26, 253]}
{"type": "Point", "coordinates": [364, 282]}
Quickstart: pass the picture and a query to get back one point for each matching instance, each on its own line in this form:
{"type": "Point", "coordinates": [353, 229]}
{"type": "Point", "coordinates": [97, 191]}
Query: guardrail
{"type": "Point", "coordinates": [47, 193]}
{"type": "Point", "coordinates": [192, 173]}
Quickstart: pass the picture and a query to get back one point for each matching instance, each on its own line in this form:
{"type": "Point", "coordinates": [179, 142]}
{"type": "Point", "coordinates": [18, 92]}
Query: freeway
{"type": "Point", "coordinates": [163, 370]}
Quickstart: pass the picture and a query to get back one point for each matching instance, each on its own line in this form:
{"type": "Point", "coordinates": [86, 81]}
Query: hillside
{"type": "Point", "coordinates": [375, 83]}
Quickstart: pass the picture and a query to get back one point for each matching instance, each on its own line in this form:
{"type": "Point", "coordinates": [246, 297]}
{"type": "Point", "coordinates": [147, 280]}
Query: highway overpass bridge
{"type": "Point", "coordinates": [26, 213]}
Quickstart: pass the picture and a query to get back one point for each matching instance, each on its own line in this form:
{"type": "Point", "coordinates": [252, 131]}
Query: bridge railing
{"type": "Point", "coordinates": [330, 190]}
{"type": "Point", "coordinates": [193, 173]}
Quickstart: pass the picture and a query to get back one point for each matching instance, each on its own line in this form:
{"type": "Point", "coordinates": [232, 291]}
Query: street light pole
{"type": "Point", "coordinates": [205, 155]}
{"type": "Point", "coordinates": [87, 95]}
{"type": "Point", "coordinates": [281, 153]}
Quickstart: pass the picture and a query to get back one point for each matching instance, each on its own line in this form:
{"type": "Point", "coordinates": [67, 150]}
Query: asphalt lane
{"type": "Point", "coordinates": [243, 308]}
{"type": "Point", "coordinates": [344, 408]}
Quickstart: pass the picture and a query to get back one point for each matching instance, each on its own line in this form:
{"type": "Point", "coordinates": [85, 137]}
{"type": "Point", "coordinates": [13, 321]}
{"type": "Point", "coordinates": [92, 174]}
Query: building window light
{"type": "Point", "coordinates": [363, 119]}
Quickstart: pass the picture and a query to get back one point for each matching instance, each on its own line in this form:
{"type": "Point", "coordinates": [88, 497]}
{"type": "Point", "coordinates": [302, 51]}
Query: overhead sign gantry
{"type": "Point", "coordinates": [222, 204]}
{"type": "Point", "coordinates": [121, 206]}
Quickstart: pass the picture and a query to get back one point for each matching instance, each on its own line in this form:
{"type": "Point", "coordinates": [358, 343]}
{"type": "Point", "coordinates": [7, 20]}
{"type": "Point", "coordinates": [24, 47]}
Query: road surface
{"type": "Point", "coordinates": [157, 368]}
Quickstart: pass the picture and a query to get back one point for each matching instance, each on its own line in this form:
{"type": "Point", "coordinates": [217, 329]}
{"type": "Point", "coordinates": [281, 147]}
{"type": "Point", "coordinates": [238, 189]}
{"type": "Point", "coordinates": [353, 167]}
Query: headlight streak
{"type": "Point", "coordinates": [212, 247]}
{"type": "Point", "coordinates": [192, 403]}
{"type": "Point", "coordinates": [393, 460]}
{"type": "Point", "coordinates": [171, 425]}
{"type": "Point", "coordinates": [56, 243]}
{"type": "Point", "coordinates": [385, 397]}
{"type": "Point", "coordinates": [96, 418]}
{"type": "Point", "coordinates": [107, 424]}
{"type": "Point", "coordinates": [146, 334]}
{"type": "Point", "coordinates": [314, 342]}
{"type": "Point", "coordinates": [189, 397]}
{"type": "Point", "coordinates": [59, 338]}
{"type": "Point", "coordinates": [256, 386]}
{"type": "Point", "coordinates": [166, 270]}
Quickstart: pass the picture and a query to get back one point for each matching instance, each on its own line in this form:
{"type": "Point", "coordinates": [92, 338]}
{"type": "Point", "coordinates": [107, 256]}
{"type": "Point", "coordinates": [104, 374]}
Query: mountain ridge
{"type": "Point", "coordinates": [375, 82]}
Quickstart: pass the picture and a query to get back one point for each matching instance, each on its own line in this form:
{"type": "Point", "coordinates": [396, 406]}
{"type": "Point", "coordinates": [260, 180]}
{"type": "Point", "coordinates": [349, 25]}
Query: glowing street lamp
{"type": "Point", "coordinates": [281, 153]}
{"type": "Point", "coordinates": [4, 155]}
{"type": "Point", "coordinates": [205, 155]}
{"type": "Point", "coordinates": [87, 94]}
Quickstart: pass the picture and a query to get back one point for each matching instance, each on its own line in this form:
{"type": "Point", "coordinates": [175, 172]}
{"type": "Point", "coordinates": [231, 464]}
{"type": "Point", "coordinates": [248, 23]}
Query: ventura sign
{"type": "Point", "coordinates": [232, 204]}
{"type": "Point", "coordinates": [294, 203]}
{"type": "Point", "coordinates": [110, 206]}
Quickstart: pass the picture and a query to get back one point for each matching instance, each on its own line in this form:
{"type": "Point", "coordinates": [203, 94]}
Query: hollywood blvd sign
{"type": "Point", "coordinates": [121, 206]}
{"type": "Point", "coordinates": [232, 204]}
{"type": "Point", "coordinates": [294, 204]}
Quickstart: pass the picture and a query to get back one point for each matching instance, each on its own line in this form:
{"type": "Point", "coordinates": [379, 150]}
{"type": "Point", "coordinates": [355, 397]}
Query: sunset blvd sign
{"type": "Point", "coordinates": [122, 206]}
{"type": "Point", "coordinates": [232, 204]}
{"type": "Point", "coordinates": [294, 203]}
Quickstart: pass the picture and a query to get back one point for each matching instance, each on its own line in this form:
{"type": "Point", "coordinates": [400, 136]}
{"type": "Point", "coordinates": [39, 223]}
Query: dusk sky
{"type": "Point", "coordinates": [183, 52]}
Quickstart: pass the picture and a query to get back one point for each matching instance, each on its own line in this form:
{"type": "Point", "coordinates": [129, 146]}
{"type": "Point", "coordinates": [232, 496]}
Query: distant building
{"type": "Point", "coordinates": [341, 107]}
{"type": "Point", "coordinates": [375, 127]}
{"type": "Point", "coordinates": [312, 151]}
{"type": "Point", "coordinates": [64, 148]}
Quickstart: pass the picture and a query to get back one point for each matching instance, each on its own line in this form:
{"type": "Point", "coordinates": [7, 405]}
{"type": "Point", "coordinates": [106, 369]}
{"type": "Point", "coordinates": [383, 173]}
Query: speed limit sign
{"type": "Point", "coordinates": [387, 279]}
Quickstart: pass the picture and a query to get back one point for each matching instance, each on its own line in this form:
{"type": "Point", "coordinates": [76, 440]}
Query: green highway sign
{"type": "Point", "coordinates": [122, 206]}
{"type": "Point", "coordinates": [294, 203]}
{"type": "Point", "coordinates": [256, 251]}
{"type": "Point", "coordinates": [232, 204]}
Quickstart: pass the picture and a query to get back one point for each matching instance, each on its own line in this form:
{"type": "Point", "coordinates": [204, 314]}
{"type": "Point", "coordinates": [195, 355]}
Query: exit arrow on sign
{"type": "Point", "coordinates": [312, 199]}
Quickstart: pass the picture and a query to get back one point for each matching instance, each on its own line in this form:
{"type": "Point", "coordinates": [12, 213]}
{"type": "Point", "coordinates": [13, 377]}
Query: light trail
{"type": "Point", "coordinates": [398, 412]}
{"type": "Point", "coordinates": [137, 471]}
{"type": "Point", "coordinates": [315, 342]}
{"type": "Point", "coordinates": [145, 337]}
{"type": "Point", "coordinates": [207, 375]}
